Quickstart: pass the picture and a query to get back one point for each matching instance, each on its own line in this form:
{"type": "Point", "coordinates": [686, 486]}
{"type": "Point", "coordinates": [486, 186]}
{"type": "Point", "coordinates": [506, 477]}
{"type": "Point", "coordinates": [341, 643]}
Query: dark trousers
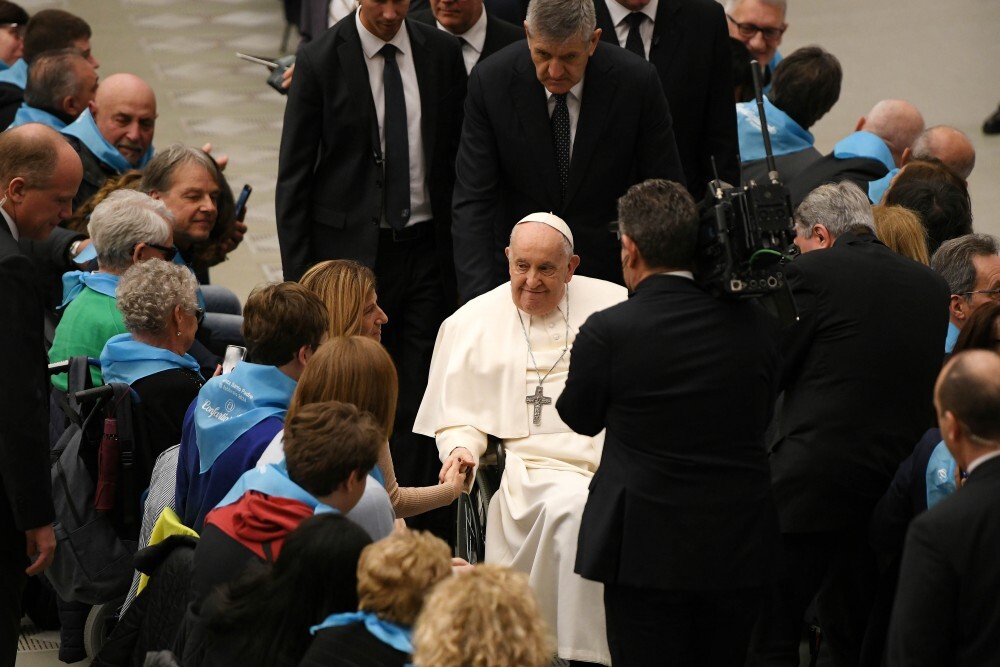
{"type": "Point", "coordinates": [837, 569]}
{"type": "Point", "coordinates": [13, 560]}
{"type": "Point", "coordinates": [679, 628]}
{"type": "Point", "coordinates": [411, 292]}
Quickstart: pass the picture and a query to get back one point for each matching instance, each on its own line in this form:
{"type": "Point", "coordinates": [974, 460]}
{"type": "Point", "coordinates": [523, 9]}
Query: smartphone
{"type": "Point", "coordinates": [241, 201]}
{"type": "Point", "coordinates": [234, 355]}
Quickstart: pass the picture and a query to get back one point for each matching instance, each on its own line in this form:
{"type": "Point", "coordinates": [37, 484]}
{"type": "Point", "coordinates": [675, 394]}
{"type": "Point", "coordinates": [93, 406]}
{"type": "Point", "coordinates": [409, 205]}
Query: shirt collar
{"type": "Point", "coordinates": [576, 91]}
{"type": "Point", "coordinates": [618, 12]}
{"type": "Point", "coordinates": [10, 223]}
{"type": "Point", "coordinates": [371, 44]}
{"type": "Point", "coordinates": [982, 459]}
{"type": "Point", "coordinates": [679, 274]}
{"type": "Point", "coordinates": [474, 36]}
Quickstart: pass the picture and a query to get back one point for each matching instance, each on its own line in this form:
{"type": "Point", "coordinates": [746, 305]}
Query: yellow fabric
{"type": "Point", "coordinates": [167, 524]}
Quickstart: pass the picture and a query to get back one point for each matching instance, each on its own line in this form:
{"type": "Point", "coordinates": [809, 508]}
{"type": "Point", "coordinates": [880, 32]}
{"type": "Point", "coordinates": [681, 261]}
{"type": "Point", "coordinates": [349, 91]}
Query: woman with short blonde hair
{"type": "Point", "coordinates": [902, 231]}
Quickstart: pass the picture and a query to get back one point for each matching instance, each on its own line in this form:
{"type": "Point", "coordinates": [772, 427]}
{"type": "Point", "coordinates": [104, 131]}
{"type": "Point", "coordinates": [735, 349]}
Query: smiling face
{"type": "Point", "coordinates": [560, 65]}
{"type": "Point", "coordinates": [192, 199]}
{"type": "Point", "coordinates": [125, 114]}
{"type": "Point", "coordinates": [540, 267]}
{"type": "Point", "coordinates": [761, 15]}
{"type": "Point", "coordinates": [383, 18]}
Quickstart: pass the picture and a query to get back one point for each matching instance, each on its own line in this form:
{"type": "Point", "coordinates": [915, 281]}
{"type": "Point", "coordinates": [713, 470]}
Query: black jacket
{"type": "Point", "coordinates": [499, 33]}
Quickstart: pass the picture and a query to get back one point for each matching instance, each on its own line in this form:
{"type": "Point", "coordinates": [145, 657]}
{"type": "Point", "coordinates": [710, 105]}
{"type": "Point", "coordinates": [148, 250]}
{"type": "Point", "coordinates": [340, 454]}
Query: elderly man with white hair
{"type": "Point", "coordinates": [500, 363]}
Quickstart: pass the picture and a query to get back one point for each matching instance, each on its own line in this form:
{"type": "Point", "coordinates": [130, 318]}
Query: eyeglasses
{"type": "Point", "coordinates": [748, 30]}
{"type": "Point", "coordinates": [199, 314]}
{"type": "Point", "coordinates": [989, 293]}
{"type": "Point", "coordinates": [169, 252]}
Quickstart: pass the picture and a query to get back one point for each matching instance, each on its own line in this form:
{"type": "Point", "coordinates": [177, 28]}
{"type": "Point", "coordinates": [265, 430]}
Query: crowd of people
{"type": "Point", "coordinates": [490, 230]}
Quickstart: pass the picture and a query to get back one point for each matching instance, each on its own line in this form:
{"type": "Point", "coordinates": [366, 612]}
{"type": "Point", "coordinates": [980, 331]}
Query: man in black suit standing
{"type": "Point", "coordinates": [688, 42]}
{"type": "Point", "coordinates": [858, 373]}
{"type": "Point", "coordinates": [946, 611]}
{"type": "Point", "coordinates": [563, 124]}
{"type": "Point", "coordinates": [40, 174]}
{"type": "Point", "coordinates": [679, 525]}
{"type": "Point", "coordinates": [366, 171]}
{"type": "Point", "coordinates": [480, 33]}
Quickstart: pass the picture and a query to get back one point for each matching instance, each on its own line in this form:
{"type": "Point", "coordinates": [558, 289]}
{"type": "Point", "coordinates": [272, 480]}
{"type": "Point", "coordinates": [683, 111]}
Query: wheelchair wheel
{"type": "Point", "coordinates": [100, 622]}
{"type": "Point", "coordinates": [473, 508]}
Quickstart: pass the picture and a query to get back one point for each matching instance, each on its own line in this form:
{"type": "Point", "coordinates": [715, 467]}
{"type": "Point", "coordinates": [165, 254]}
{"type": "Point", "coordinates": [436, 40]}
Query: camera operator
{"type": "Point", "coordinates": [684, 383]}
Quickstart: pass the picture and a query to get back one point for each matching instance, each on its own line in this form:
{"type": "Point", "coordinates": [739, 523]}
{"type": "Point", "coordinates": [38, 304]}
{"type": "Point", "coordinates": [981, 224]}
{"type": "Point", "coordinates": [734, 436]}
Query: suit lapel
{"type": "Point", "coordinates": [599, 87]}
{"type": "Point", "coordinates": [666, 35]}
{"type": "Point", "coordinates": [532, 111]}
{"type": "Point", "coordinates": [428, 85]}
{"type": "Point", "coordinates": [352, 62]}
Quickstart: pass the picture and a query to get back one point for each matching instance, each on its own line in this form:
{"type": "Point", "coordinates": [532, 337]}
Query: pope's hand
{"type": "Point", "coordinates": [457, 469]}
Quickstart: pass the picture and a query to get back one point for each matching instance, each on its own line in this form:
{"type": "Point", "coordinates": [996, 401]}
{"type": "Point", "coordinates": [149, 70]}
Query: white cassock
{"type": "Point", "coordinates": [481, 374]}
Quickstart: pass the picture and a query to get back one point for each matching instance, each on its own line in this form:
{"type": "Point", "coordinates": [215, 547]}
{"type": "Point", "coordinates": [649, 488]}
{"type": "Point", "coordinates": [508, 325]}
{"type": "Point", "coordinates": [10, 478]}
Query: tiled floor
{"type": "Point", "coordinates": [942, 56]}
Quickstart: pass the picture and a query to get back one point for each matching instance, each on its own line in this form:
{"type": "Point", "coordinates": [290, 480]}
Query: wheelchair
{"type": "Point", "coordinates": [473, 507]}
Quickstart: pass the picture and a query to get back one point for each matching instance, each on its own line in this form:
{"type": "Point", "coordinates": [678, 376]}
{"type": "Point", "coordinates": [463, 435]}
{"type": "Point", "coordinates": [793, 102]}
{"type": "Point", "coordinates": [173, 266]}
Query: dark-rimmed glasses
{"type": "Point", "coordinates": [989, 293]}
{"type": "Point", "coordinates": [169, 252]}
{"type": "Point", "coordinates": [748, 30]}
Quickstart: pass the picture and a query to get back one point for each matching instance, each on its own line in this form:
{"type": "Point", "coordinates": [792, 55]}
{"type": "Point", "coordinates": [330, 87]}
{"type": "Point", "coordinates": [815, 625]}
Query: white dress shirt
{"type": "Point", "coordinates": [474, 40]}
{"type": "Point", "coordinates": [982, 459]}
{"type": "Point", "coordinates": [573, 101]}
{"type": "Point", "coordinates": [10, 223]}
{"type": "Point", "coordinates": [338, 10]}
{"type": "Point", "coordinates": [420, 203]}
{"type": "Point", "coordinates": [618, 16]}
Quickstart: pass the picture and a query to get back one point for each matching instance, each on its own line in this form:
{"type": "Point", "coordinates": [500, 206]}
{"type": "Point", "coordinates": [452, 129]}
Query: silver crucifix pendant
{"type": "Point", "coordinates": [539, 399]}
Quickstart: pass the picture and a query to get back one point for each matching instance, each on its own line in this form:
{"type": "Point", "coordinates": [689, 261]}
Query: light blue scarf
{"type": "Point", "coordinates": [16, 74]}
{"type": "Point", "coordinates": [85, 129]}
{"type": "Point", "coordinates": [74, 282]}
{"type": "Point", "coordinates": [876, 189]}
{"type": "Point", "coordinates": [272, 479]}
{"type": "Point", "coordinates": [125, 359]}
{"type": "Point", "coordinates": [940, 475]}
{"type": "Point", "coordinates": [26, 114]}
{"type": "Point", "coordinates": [864, 144]}
{"type": "Point", "coordinates": [230, 405]}
{"type": "Point", "coordinates": [396, 636]}
{"type": "Point", "coordinates": [787, 136]}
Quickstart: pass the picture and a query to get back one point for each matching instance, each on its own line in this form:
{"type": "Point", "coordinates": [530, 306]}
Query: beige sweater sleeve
{"type": "Point", "coordinates": [411, 500]}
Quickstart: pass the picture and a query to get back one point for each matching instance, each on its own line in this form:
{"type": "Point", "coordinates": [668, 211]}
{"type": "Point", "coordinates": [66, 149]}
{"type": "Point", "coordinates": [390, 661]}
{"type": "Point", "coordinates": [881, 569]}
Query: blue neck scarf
{"type": "Point", "coordinates": [125, 359]}
{"type": "Point", "coordinates": [951, 338]}
{"type": "Point", "coordinates": [864, 144]}
{"type": "Point", "coordinates": [396, 636]}
{"type": "Point", "coordinates": [16, 74]}
{"type": "Point", "coordinates": [940, 475]}
{"type": "Point", "coordinates": [876, 189]}
{"type": "Point", "coordinates": [3, 66]}
{"type": "Point", "coordinates": [272, 480]}
{"type": "Point", "coordinates": [230, 405]}
{"type": "Point", "coordinates": [85, 129]}
{"type": "Point", "coordinates": [787, 136]}
{"type": "Point", "coordinates": [74, 282]}
{"type": "Point", "coordinates": [26, 114]}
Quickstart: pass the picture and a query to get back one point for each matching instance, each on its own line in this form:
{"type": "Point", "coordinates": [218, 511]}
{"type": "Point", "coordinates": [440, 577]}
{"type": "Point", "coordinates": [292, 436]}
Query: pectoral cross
{"type": "Point", "coordinates": [539, 399]}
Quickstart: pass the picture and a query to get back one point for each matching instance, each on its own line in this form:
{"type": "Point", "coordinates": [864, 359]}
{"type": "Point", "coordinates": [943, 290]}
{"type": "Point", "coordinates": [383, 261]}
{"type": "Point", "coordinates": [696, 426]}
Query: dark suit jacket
{"type": "Point", "coordinates": [685, 385]}
{"type": "Point", "coordinates": [858, 373]}
{"type": "Point", "coordinates": [506, 165]}
{"type": "Point", "coordinates": [25, 488]}
{"type": "Point", "coordinates": [690, 50]}
{"type": "Point", "coordinates": [329, 195]}
{"type": "Point", "coordinates": [946, 610]}
{"type": "Point", "coordinates": [829, 169]}
{"type": "Point", "coordinates": [499, 33]}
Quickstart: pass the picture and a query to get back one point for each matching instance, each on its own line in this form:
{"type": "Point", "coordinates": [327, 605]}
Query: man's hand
{"type": "Point", "coordinates": [41, 548]}
{"type": "Point", "coordinates": [221, 160]}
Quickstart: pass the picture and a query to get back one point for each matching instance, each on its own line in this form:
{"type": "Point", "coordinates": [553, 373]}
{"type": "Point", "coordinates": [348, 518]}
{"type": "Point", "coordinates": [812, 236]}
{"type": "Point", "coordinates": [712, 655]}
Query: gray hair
{"type": "Point", "coordinates": [949, 145]}
{"type": "Point", "coordinates": [149, 291]}
{"type": "Point", "coordinates": [953, 260]}
{"type": "Point", "coordinates": [159, 173]}
{"type": "Point", "coordinates": [123, 220]}
{"type": "Point", "coordinates": [840, 207]}
{"type": "Point", "coordinates": [561, 20]}
{"type": "Point", "coordinates": [780, 4]}
{"type": "Point", "coordinates": [52, 78]}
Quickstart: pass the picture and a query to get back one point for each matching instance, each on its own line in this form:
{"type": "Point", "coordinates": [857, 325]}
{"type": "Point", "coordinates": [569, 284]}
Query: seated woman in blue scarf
{"type": "Point", "coordinates": [394, 576]}
{"type": "Point", "coordinates": [263, 619]}
{"type": "Point", "coordinates": [127, 227]}
{"type": "Point", "coordinates": [236, 415]}
{"type": "Point", "coordinates": [159, 306]}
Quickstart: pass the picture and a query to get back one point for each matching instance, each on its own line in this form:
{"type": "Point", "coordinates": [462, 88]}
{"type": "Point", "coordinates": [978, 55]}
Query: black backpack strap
{"type": "Point", "coordinates": [121, 409]}
{"type": "Point", "coordinates": [78, 379]}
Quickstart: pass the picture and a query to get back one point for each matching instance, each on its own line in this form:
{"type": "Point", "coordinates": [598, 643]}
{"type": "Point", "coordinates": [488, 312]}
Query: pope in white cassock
{"type": "Point", "coordinates": [498, 367]}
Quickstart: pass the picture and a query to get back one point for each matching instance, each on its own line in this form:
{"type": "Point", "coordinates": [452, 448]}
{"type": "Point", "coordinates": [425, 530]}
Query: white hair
{"type": "Point", "coordinates": [123, 220]}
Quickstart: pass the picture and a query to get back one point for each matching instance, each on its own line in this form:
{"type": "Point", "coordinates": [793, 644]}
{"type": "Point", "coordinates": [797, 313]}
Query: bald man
{"type": "Point", "coordinates": [949, 145]}
{"type": "Point", "coordinates": [116, 133]}
{"type": "Point", "coordinates": [870, 156]}
{"type": "Point", "coordinates": [40, 174]}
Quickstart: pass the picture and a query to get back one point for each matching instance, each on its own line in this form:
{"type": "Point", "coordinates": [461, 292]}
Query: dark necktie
{"type": "Point", "coordinates": [560, 132]}
{"type": "Point", "coordinates": [397, 146]}
{"type": "Point", "coordinates": [634, 40]}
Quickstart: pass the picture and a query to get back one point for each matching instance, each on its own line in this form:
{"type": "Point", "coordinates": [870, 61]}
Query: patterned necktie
{"type": "Point", "coordinates": [397, 145]}
{"type": "Point", "coordinates": [634, 40]}
{"type": "Point", "coordinates": [560, 132]}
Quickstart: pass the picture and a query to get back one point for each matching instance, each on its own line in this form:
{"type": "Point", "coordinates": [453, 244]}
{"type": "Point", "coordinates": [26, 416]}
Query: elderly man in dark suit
{"type": "Point", "coordinates": [40, 173]}
{"type": "Point", "coordinates": [366, 172]}
{"type": "Point", "coordinates": [688, 42]}
{"type": "Point", "coordinates": [480, 33]}
{"type": "Point", "coordinates": [679, 525]}
{"type": "Point", "coordinates": [858, 373]}
{"type": "Point", "coordinates": [563, 124]}
{"type": "Point", "coordinates": [946, 611]}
